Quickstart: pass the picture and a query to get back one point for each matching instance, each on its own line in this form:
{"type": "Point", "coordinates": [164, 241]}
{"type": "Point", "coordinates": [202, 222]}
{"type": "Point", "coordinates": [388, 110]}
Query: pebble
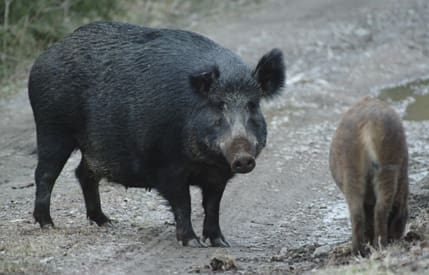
{"type": "Point", "coordinates": [321, 250]}
{"type": "Point", "coordinates": [283, 251]}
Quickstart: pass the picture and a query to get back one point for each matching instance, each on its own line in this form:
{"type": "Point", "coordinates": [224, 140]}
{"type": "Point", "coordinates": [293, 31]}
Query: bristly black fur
{"type": "Point", "coordinates": [148, 108]}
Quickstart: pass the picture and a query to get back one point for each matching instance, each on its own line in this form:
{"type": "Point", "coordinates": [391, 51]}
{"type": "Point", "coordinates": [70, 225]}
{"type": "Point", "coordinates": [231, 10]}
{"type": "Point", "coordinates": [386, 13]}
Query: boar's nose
{"type": "Point", "coordinates": [243, 163]}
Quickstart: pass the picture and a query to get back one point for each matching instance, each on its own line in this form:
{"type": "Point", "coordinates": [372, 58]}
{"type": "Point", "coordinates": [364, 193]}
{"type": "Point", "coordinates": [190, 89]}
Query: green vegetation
{"type": "Point", "coordinates": [29, 26]}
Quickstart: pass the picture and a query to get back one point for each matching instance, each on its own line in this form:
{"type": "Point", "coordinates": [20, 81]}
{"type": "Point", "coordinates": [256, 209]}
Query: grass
{"type": "Point", "coordinates": [28, 27]}
{"type": "Point", "coordinates": [34, 25]}
{"type": "Point", "coordinates": [408, 256]}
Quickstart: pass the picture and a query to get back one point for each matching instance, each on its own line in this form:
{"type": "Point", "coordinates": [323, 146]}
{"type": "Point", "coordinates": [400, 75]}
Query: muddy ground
{"type": "Point", "coordinates": [287, 216]}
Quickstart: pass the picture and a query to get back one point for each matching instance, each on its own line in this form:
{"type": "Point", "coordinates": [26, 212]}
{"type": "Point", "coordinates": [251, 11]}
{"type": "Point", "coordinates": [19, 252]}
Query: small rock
{"type": "Point", "coordinates": [283, 224]}
{"type": "Point", "coordinates": [362, 32]}
{"type": "Point", "coordinates": [413, 236]}
{"type": "Point", "coordinates": [281, 256]}
{"type": "Point", "coordinates": [283, 251]}
{"type": "Point", "coordinates": [222, 262]}
{"type": "Point", "coordinates": [46, 260]}
{"type": "Point", "coordinates": [321, 250]}
{"type": "Point", "coordinates": [17, 221]}
{"type": "Point", "coordinates": [416, 250]}
{"type": "Point", "coordinates": [425, 244]}
{"type": "Point", "coordinates": [277, 258]}
{"type": "Point", "coordinates": [197, 269]}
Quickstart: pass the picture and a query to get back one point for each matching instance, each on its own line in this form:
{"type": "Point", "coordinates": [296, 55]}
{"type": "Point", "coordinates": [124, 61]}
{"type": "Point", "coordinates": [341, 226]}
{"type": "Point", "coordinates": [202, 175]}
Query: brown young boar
{"type": "Point", "coordinates": [369, 163]}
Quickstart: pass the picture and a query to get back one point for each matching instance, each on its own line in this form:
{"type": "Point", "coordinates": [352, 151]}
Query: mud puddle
{"type": "Point", "coordinates": [411, 100]}
{"type": "Point", "coordinates": [414, 95]}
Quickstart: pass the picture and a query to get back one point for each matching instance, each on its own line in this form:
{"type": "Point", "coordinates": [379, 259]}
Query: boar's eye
{"type": "Point", "coordinates": [218, 122]}
{"type": "Point", "coordinates": [252, 106]}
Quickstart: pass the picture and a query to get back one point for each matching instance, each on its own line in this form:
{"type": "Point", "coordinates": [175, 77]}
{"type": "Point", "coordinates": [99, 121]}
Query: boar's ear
{"type": "Point", "coordinates": [270, 73]}
{"type": "Point", "coordinates": [203, 80]}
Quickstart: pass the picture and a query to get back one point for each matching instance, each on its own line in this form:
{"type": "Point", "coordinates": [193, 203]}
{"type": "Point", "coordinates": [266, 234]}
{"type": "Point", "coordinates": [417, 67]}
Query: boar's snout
{"type": "Point", "coordinates": [241, 155]}
{"type": "Point", "coordinates": [243, 163]}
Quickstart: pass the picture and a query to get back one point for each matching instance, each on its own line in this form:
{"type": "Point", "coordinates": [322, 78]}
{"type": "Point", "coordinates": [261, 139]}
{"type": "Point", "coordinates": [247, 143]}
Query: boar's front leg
{"type": "Point", "coordinates": [89, 183]}
{"type": "Point", "coordinates": [211, 201]}
{"type": "Point", "coordinates": [181, 204]}
{"type": "Point", "coordinates": [178, 196]}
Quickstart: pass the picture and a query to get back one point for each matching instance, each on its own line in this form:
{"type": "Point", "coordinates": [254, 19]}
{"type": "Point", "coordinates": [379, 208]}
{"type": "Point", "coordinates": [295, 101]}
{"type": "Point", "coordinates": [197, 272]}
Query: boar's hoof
{"type": "Point", "coordinates": [219, 242]}
{"type": "Point", "coordinates": [47, 226]}
{"type": "Point", "coordinates": [44, 221]}
{"type": "Point", "coordinates": [107, 224]}
{"type": "Point", "coordinates": [101, 220]}
{"type": "Point", "coordinates": [193, 243]}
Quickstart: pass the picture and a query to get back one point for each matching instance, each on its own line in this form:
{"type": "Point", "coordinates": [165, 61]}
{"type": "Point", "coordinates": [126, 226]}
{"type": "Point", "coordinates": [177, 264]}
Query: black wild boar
{"type": "Point", "coordinates": [152, 108]}
{"type": "Point", "coordinates": [369, 162]}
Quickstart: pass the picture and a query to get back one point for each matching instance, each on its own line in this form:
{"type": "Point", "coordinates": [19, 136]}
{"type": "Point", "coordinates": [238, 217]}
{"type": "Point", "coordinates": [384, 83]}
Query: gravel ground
{"type": "Point", "coordinates": [287, 216]}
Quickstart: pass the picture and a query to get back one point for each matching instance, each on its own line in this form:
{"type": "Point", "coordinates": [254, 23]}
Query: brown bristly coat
{"type": "Point", "coordinates": [369, 162]}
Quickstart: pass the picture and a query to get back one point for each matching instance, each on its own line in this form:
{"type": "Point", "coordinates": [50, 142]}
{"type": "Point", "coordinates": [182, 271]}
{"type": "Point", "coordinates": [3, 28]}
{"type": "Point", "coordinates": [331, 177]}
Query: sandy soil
{"type": "Point", "coordinates": [287, 216]}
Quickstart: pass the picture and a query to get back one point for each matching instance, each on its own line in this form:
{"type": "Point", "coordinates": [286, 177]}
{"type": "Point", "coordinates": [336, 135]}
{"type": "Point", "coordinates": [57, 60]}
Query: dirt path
{"type": "Point", "coordinates": [337, 52]}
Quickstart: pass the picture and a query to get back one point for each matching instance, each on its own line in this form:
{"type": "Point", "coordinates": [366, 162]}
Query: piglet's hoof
{"type": "Point", "coordinates": [194, 243]}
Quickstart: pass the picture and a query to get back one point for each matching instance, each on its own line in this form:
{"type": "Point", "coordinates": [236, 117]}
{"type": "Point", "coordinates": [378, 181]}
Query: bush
{"type": "Point", "coordinates": [28, 26]}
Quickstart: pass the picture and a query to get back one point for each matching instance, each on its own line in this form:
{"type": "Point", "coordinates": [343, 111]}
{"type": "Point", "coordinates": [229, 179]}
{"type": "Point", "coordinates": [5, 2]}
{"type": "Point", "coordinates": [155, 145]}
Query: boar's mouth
{"type": "Point", "coordinates": [240, 155]}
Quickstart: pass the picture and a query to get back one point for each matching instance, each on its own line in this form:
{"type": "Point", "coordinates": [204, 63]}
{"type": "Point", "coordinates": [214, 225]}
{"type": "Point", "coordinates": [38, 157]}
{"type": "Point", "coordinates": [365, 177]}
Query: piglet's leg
{"type": "Point", "coordinates": [385, 184]}
{"type": "Point", "coordinates": [355, 200]}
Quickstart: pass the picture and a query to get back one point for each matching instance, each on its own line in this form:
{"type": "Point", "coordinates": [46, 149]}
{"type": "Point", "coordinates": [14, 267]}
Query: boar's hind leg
{"type": "Point", "coordinates": [89, 184]}
{"type": "Point", "coordinates": [53, 152]}
{"type": "Point", "coordinates": [179, 198]}
{"type": "Point", "coordinates": [385, 189]}
{"type": "Point", "coordinates": [211, 202]}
